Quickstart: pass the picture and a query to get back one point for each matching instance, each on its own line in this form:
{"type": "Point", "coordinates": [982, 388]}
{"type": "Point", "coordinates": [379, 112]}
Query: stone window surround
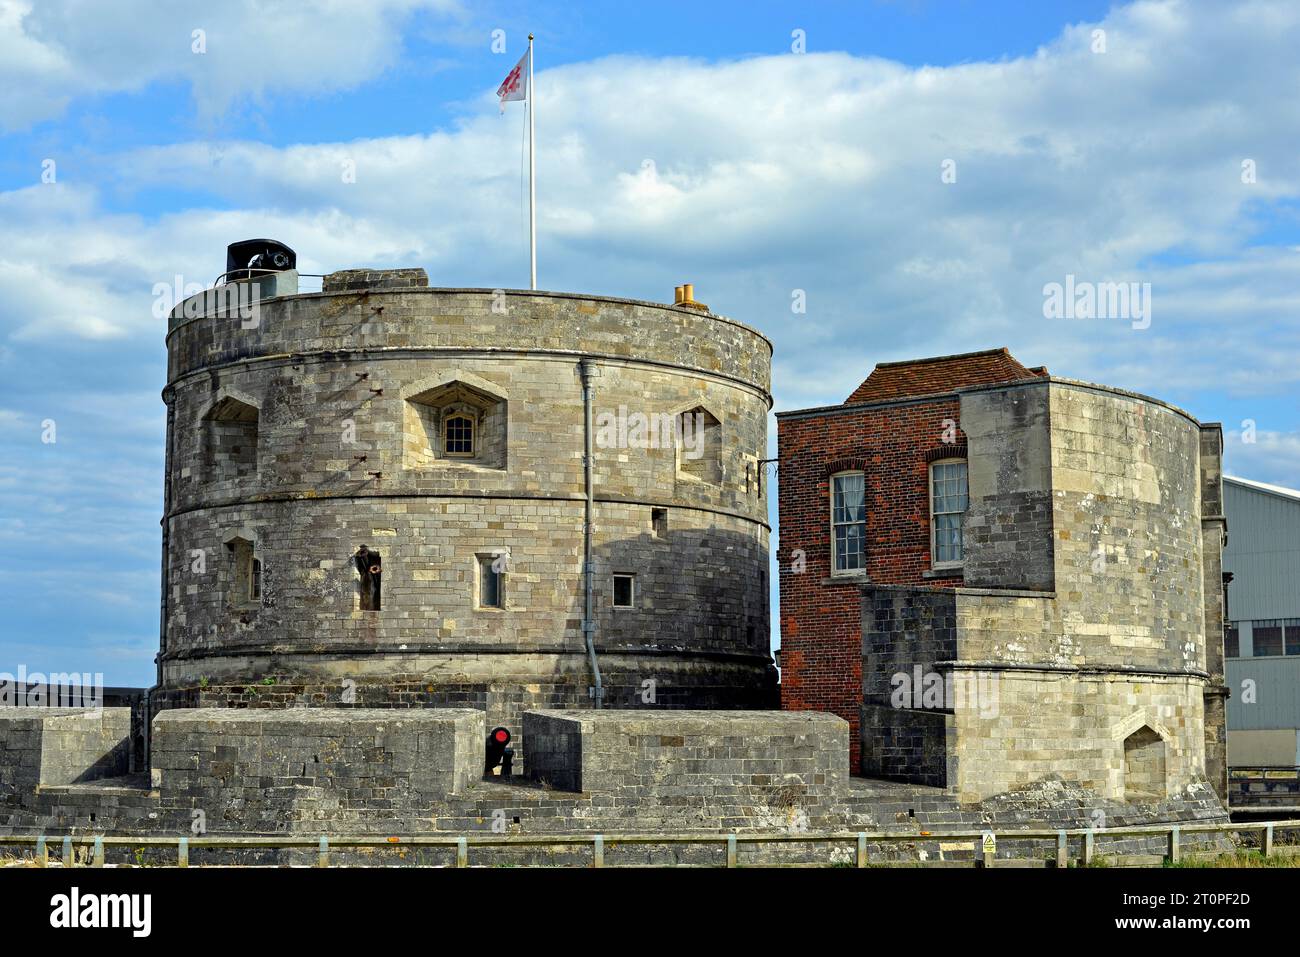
{"type": "Point", "coordinates": [483, 561]}
{"type": "Point", "coordinates": [245, 592]}
{"type": "Point", "coordinates": [488, 392]}
{"type": "Point", "coordinates": [1122, 730]}
{"type": "Point", "coordinates": [712, 425]}
{"type": "Point", "coordinates": [210, 416]}
{"type": "Point", "coordinates": [461, 410]}
{"type": "Point", "coordinates": [631, 606]}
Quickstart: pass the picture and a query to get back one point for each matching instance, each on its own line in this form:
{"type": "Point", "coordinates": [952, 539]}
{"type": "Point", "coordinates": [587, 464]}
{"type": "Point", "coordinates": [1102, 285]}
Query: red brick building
{"type": "Point", "coordinates": [872, 490]}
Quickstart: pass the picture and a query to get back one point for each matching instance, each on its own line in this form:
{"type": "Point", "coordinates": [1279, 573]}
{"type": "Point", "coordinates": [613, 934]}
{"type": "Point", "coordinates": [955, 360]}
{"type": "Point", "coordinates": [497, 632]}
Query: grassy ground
{"type": "Point", "coordinates": [1241, 859]}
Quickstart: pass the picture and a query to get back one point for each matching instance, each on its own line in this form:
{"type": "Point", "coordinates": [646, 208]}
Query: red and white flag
{"type": "Point", "coordinates": [515, 85]}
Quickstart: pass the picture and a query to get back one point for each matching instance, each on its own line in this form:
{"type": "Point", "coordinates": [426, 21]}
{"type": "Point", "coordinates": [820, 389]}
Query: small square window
{"type": "Point", "coordinates": [490, 590]}
{"type": "Point", "coordinates": [1231, 641]}
{"type": "Point", "coordinates": [624, 591]}
{"type": "Point", "coordinates": [459, 436]}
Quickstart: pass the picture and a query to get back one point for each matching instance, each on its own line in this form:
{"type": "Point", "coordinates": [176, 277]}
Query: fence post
{"type": "Point", "coordinates": [862, 849]}
{"type": "Point", "coordinates": [1088, 847]}
{"type": "Point", "coordinates": [598, 851]}
{"type": "Point", "coordinates": [462, 852]}
{"type": "Point", "coordinates": [98, 859]}
{"type": "Point", "coordinates": [1267, 844]}
{"type": "Point", "coordinates": [183, 852]}
{"type": "Point", "coordinates": [67, 852]}
{"type": "Point", "coordinates": [323, 856]}
{"type": "Point", "coordinates": [42, 855]}
{"type": "Point", "coordinates": [731, 850]}
{"type": "Point", "coordinates": [1174, 852]}
{"type": "Point", "coordinates": [1062, 849]}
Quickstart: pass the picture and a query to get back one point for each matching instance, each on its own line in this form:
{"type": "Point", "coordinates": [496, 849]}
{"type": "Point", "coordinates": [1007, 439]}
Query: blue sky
{"type": "Point", "coordinates": [676, 142]}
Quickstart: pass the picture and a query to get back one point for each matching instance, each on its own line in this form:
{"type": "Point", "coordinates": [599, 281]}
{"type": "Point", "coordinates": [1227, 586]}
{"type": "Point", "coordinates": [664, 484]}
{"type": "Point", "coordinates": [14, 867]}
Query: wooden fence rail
{"type": "Point", "coordinates": [1174, 837]}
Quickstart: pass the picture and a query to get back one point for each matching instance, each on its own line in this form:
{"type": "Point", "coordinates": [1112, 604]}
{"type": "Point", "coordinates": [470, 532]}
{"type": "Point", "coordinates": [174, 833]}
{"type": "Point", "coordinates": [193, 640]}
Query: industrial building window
{"type": "Point", "coordinates": [624, 591]}
{"type": "Point", "coordinates": [947, 508]}
{"type": "Point", "coordinates": [1292, 626]}
{"type": "Point", "coordinates": [848, 522]}
{"type": "Point", "coordinates": [490, 590]}
{"type": "Point", "coordinates": [459, 432]}
{"type": "Point", "coordinates": [1266, 638]}
{"type": "Point", "coordinates": [1231, 641]}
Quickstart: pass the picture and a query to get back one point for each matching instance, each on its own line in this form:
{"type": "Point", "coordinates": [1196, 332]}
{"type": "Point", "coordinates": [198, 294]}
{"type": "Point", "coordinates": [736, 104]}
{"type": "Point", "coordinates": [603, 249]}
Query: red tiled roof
{"type": "Point", "coordinates": [916, 377]}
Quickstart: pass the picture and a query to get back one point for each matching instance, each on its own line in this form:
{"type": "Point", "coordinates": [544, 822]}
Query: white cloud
{"type": "Point", "coordinates": [54, 50]}
{"type": "Point", "coordinates": [818, 172]}
{"type": "Point", "coordinates": [1274, 457]}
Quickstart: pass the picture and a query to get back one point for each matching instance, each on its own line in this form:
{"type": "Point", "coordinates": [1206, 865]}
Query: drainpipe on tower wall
{"type": "Point", "coordinates": [166, 532]}
{"type": "Point", "coordinates": [588, 567]}
{"type": "Point", "coordinates": [146, 714]}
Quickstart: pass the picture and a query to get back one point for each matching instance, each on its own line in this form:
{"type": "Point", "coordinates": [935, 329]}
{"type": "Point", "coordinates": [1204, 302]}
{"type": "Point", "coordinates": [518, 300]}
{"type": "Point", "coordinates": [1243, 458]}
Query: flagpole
{"type": "Point", "coordinates": [532, 171]}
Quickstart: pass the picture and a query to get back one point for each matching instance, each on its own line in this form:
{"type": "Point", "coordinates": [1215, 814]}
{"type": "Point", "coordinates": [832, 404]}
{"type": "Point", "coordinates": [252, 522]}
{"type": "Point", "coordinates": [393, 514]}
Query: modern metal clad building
{"type": "Point", "coordinates": [1262, 640]}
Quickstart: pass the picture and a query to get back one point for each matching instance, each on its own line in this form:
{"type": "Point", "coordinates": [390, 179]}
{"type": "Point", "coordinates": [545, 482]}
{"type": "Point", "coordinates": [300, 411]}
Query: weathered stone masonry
{"type": "Point", "coordinates": [391, 771]}
{"type": "Point", "coordinates": [338, 399]}
{"type": "Point", "coordinates": [1087, 606]}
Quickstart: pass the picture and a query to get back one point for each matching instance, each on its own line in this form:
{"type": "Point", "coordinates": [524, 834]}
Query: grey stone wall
{"type": "Point", "coordinates": [686, 756]}
{"type": "Point", "coordinates": [909, 639]}
{"type": "Point", "coordinates": [1008, 526]}
{"type": "Point", "coordinates": [1115, 648]}
{"type": "Point", "coordinates": [341, 772]}
{"type": "Point", "coordinates": [332, 377]}
{"type": "Point", "coordinates": [278, 770]}
{"type": "Point", "coordinates": [1214, 531]}
{"type": "Point", "coordinates": [54, 746]}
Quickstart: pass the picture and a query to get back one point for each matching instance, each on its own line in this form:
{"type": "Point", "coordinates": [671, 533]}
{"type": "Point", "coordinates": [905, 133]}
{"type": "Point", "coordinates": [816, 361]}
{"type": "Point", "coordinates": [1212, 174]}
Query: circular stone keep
{"type": "Point", "coordinates": [376, 496]}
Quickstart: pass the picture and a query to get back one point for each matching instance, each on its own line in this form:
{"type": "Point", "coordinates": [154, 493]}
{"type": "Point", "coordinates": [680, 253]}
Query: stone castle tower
{"type": "Point", "coordinates": [377, 495]}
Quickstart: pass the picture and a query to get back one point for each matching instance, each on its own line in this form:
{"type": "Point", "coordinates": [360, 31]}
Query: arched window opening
{"type": "Point", "coordinates": [1144, 766]}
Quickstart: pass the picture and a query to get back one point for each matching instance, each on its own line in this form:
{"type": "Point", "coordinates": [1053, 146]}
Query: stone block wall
{"type": "Point", "coordinates": [682, 756]}
{"type": "Point", "coordinates": [911, 745]}
{"type": "Point", "coordinates": [347, 772]}
{"type": "Point", "coordinates": [332, 378]}
{"type": "Point", "coordinates": [1009, 523]}
{"type": "Point", "coordinates": [1085, 626]}
{"type": "Point", "coordinates": [909, 639]}
{"type": "Point", "coordinates": [55, 746]}
{"type": "Point", "coordinates": [286, 769]}
{"type": "Point", "coordinates": [1074, 726]}
{"type": "Point", "coordinates": [1214, 531]}
{"type": "Point", "coordinates": [1119, 643]}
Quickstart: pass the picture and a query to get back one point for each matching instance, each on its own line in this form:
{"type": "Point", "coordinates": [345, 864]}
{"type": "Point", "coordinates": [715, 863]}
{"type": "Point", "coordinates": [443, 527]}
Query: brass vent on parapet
{"type": "Point", "coordinates": [684, 295]}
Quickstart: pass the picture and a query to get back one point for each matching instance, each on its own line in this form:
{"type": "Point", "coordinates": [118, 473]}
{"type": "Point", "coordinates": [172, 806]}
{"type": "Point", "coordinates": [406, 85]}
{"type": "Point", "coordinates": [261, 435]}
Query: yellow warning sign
{"type": "Point", "coordinates": [990, 846]}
